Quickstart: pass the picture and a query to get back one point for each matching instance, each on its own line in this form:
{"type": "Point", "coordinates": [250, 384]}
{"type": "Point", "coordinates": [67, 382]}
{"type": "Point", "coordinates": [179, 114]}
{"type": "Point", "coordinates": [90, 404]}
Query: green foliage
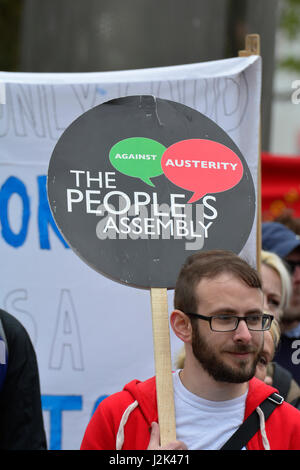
{"type": "Point", "coordinates": [291, 63]}
{"type": "Point", "coordinates": [290, 18]}
{"type": "Point", "coordinates": [290, 26]}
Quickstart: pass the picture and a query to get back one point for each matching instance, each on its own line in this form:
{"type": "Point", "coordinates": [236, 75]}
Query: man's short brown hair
{"type": "Point", "coordinates": [210, 264]}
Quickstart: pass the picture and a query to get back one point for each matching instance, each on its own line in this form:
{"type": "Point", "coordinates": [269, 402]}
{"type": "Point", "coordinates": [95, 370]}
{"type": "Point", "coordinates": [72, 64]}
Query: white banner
{"type": "Point", "coordinates": [92, 335]}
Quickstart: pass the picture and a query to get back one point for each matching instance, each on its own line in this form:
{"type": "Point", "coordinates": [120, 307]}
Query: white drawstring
{"type": "Point", "coordinates": [263, 428]}
{"type": "Point", "coordinates": [125, 416]}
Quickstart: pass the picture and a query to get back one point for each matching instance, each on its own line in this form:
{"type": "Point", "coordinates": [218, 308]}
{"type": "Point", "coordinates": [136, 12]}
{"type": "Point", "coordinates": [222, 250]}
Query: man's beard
{"type": "Point", "coordinates": [217, 368]}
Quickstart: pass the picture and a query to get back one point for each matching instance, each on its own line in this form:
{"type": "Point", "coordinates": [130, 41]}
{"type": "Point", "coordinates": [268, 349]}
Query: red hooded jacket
{"type": "Point", "coordinates": [123, 420]}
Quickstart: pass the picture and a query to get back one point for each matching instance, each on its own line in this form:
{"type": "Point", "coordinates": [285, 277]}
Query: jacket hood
{"type": "Point", "coordinates": [257, 393]}
{"type": "Point", "coordinates": [144, 393]}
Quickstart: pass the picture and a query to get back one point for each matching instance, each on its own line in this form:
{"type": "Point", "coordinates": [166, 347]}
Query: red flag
{"type": "Point", "coordinates": [280, 185]}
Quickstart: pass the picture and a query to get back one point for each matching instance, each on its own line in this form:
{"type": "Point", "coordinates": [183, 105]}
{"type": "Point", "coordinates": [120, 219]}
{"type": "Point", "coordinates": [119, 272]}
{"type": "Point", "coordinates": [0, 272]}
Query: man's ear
{"type": "Point", "coordinates": [181, 326]}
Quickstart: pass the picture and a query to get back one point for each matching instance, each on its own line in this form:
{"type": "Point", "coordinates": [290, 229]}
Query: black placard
{"type": "Point", "coordinates": [137, 184]}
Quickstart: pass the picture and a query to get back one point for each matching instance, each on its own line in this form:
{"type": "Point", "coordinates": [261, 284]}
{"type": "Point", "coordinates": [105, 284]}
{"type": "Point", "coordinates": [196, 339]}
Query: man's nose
{"type": "Point", "coordinates": [242, 332]}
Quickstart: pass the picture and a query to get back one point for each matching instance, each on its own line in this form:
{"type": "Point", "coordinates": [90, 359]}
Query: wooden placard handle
{"type": "Point", "coordinates": [252, 47]}
{"type": "Point", "coordinates": [160, 320]}
{"type": "Point", "coordinates": [163, 365]}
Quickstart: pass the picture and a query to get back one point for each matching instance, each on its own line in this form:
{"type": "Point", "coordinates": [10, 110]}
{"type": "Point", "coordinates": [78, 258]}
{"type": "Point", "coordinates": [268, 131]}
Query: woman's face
{"type": "Point", "coordinates": [266, 357]}
{"type": "Point", "coordinates": [272, 290]}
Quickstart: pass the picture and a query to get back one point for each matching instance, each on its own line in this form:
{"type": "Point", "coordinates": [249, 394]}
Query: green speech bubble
{"type": "Point", "coordinates": [139, 157]}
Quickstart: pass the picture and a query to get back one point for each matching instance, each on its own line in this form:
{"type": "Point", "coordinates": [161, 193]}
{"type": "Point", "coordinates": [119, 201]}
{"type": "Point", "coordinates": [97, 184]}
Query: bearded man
{"type": "Point", "coordinates": [219, 316]}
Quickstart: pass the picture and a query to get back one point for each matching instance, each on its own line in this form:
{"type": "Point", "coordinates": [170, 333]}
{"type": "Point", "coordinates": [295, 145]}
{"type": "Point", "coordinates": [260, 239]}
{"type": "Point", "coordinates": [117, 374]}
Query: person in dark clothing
{"type": "Point", "coordinates": [21, 418]}
{"type": "Point", "coordinates": [279, 239]}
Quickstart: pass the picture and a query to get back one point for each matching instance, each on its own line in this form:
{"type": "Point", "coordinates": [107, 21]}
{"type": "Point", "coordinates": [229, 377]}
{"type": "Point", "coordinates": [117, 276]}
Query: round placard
{"type": "Point", "coordinates": [138, 183]}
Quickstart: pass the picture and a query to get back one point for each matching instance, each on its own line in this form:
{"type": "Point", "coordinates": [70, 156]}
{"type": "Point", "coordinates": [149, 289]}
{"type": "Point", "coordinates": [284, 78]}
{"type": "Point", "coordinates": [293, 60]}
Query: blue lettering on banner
{"type": "Point", "coordinates": [45, 217]}
{"type": "Point", "coordinates": [14, 186]}
{"type": "Point", "coordinates": [56, 404]}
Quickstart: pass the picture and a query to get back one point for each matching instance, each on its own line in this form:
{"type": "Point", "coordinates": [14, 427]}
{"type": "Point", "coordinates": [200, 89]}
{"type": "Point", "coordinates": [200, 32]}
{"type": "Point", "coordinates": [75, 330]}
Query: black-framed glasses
{"type": "Point", "coordinates": [292, 265]}
{"type": "Point", "coordinates": [223, 323]}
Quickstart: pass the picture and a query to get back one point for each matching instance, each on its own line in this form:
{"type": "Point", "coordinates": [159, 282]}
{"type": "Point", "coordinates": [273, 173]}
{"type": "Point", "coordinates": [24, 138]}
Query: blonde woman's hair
{"type": "Point", "coordinates": [275, 333]}
{"type": "Point", "coordinates": [275, 262]}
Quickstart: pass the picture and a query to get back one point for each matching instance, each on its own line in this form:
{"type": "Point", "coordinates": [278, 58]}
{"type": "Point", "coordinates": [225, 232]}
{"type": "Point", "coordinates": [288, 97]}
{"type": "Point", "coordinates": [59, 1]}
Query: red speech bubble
{"type": "Point", "coordinates": [202, 166]}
